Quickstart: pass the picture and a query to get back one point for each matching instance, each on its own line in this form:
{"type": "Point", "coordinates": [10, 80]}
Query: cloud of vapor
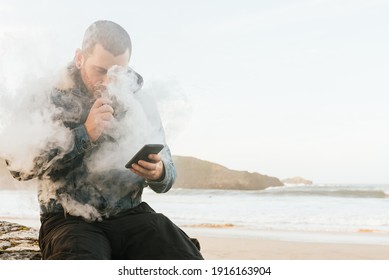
{"type": "Point", "coordinates": [136, 122]}
{"type": "Point", "coordinates": [174, 106]}
{"type": "Point", "coordinates": [139, 116]}
{"type": "Point", "coordinates": [29, 127]}
{"type": "Point", "coordinates": [25, 111]}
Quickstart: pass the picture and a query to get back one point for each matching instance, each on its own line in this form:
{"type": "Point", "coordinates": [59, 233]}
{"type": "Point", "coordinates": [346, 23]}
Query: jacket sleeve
{"type": "Point", "coordinates": [54, 162]}
{"type": "Point", "coordinates": [169, 176]}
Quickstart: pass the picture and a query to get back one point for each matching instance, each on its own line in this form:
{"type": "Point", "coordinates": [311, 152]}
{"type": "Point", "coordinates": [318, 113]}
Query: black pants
{"type": "Point", "coordinates": [139, 233]}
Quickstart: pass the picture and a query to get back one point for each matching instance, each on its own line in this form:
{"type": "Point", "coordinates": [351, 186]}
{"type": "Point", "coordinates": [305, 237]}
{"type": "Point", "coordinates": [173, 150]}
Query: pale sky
{"type": "Point", "coordinates": [283, 88]}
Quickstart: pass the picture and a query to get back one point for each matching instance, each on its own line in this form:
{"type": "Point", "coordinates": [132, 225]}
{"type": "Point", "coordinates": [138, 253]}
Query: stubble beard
{"type": "Point", "coordinates": [94, 90]}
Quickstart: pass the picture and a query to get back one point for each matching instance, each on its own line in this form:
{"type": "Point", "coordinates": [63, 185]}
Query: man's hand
{"type": "Point", "coordinates": [99, 118]}
{"type": "Point", "coordinates": [153, 171]}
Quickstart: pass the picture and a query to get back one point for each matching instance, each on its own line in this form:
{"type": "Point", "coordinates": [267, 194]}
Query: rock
{"type": "Point", "coordinates": [297, 181]}
{"type": "Point", "coordinates": [5, 245]}
{"type": "Point", "coordinates": [200, 174]}
{"type": "Point", "coordinates": [18, 242]}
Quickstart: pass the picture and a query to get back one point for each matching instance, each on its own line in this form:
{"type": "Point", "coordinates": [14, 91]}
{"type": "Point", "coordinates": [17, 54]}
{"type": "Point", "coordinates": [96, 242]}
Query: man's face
{"type": "Point", "coordinates": [94, 68]}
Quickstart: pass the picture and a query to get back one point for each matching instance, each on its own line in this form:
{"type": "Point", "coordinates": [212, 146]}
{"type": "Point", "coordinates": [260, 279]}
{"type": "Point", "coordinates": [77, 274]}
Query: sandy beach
{"type": "Point", "coordinates": [226, 242]}
{"type": "Point", "coordinates": [225, 248]}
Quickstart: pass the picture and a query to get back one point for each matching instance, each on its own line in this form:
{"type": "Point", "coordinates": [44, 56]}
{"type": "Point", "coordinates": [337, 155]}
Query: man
{"type": "Point", "coordinates": [88, 214]}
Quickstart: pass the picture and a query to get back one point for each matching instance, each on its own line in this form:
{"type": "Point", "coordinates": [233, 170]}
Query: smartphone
{"type": "Point", "coordinates": [143, 153]}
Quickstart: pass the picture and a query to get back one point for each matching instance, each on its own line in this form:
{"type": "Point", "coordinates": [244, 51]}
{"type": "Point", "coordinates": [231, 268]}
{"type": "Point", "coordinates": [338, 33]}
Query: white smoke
{"type": "Point", "coordinates": [26, 123]}
{"type": "Point", "coordinates": [28, 129]}
{"type": "Point", "coordinates": [139, 125]}
{"type": "Point", "coordinates": [174, 106]}
{"type": "Point", "coordinates": [76, 208]}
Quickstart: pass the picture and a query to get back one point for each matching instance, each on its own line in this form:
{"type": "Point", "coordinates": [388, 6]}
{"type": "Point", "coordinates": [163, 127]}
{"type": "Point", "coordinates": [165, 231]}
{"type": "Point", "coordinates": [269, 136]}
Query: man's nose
{"type": "Point", "coordinates": [105, 81]}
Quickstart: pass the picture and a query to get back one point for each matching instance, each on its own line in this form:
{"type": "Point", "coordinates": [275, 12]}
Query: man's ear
{"type": "Point", "coordinates": [79, 58]}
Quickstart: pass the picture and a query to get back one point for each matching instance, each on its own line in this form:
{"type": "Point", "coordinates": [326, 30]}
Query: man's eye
{"type": "Point", "coordinates": [101, 71]}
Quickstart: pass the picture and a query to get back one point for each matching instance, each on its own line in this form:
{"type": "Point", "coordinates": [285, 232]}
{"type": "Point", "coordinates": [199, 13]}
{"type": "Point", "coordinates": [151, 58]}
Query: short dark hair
{"type": "Point", "coordinates": [110, 35]}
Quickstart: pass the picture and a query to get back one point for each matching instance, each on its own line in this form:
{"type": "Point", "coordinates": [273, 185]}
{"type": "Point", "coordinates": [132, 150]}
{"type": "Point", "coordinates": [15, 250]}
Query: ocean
{"type": "Point", "coordinates": [315, 213]}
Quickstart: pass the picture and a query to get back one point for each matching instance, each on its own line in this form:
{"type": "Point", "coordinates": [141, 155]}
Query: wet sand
{"type": "Point", "coordinates": [226, 248]}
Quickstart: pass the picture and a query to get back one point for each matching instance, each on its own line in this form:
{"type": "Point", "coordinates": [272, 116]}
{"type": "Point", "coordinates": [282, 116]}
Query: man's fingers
{"type": "Point", "coordinates": [151, 171]}
{"type": "Point", "coordinates": [104, 109]}
{"type": "Point", "coordinates": [147, 165]}
{"type": "Point", "coordinates": [107, 117]}
{"type": "Point", "coordinates": [100, 102]}
{"type": "Point", "coordinates": [99, 118]}
{"type": "Point", "coordinates": [143, 171]}
{"type": "Point", "coordinates": [155, 157]}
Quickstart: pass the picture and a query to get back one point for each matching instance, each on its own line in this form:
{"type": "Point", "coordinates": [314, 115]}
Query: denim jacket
{"type": "Point", "coordinates": [65, 183]}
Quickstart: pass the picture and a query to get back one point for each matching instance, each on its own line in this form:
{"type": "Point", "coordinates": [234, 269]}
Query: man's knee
{"type": "Point", "coordinates": [74, 239]}
{"type": "Point", "coordinates": [175, 242]}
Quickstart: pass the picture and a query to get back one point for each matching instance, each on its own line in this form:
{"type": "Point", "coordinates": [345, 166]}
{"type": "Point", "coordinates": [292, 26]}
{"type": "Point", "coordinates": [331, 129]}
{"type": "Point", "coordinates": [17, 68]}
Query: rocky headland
{"type": "Point", "coordinates": [200, 174]}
